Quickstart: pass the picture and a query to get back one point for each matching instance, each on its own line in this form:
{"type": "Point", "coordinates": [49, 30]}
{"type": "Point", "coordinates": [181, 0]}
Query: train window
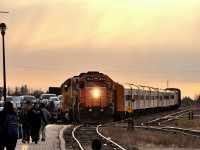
{"type": "Point", "coordinates": [100, 84]}
{"type": "Point", "coordinates": [166, 97]}
{"type": "Point", "coordinates": [135, 97]}
{"type": "Point", "coordinates": [109, 85]}
{"type": "Point", "coordinates": [82, 84]}
{"type": "Point", "coordinates": [171, 96]}
{"type": "Point", "coordinates": [147, 97]}
{"type": "Point", "coordinates": [160, 97]}
{"type": "Point", "coordinates": [152, 97]}
{"type": "Point", "coordinates": [128, 97]}
{"type": "Point", "coordinates": [142, 97]}
{"type": "Point", "coordinates": [90, 83]}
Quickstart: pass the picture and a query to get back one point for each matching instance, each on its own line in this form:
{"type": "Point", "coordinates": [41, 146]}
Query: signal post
{"type": "Point", "coordinates": [130, 118]}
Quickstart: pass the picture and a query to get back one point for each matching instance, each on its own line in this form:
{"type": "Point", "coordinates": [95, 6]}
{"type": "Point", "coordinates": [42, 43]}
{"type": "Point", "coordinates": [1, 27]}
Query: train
{"type": "Point", "coordinates": [93, 97]}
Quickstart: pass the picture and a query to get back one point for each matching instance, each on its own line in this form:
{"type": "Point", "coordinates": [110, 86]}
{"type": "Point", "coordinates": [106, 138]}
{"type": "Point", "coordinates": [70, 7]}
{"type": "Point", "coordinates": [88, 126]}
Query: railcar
{"type": "Point", "coordinates": [139, 100]}
{"type": "Point", "coordinates": [94, 97]}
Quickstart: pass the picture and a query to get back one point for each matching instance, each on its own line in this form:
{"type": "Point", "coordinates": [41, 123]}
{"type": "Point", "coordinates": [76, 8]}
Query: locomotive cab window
{"type": "Point", "coordinates": [82, 85]}
{"type": "Point", "coordinates": [93, 83]}
{"type": "Point", "coordinates": [90, 84]}
{"type": "Point", "coordinates": [100, 84]}
{"type": "Point", "coordinates": [109, 85]}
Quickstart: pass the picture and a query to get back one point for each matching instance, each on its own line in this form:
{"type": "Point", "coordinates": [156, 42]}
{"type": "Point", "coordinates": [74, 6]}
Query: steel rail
{"type": "Point", "coordinates": [97, 129]}
{"type": "Point", "coordinates": [76, 138]}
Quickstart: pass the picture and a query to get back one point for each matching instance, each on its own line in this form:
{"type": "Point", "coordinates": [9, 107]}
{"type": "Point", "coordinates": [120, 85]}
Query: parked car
{"type": "Point", "coordinates": [1, 108]}
{"type": "Point", "coordinates": [59, 97]}
{"type": "Point", "coordinates": [8, 98]}
{"type": "Point", "coordinates": [54, 98]}
{"type": "Point", "coordinates": [25, 98]}
{"type": "Point", "coordinates": [45, 97]}
{"type": "Point", "coordinates": [57, 110]}
{"type": "Point", "coordinates": [1, 103]}
{"type": "Point", "coordinates": [16, 100]}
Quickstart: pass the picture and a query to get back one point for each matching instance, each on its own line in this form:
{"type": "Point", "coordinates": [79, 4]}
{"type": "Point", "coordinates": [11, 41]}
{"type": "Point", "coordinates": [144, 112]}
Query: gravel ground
{"type": "Point", "coordinates": [144, 139]}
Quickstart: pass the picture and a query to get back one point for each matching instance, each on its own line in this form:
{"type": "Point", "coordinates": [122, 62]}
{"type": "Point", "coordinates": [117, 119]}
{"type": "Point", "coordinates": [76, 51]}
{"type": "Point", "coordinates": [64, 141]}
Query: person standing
{"type": "Point", "coordinates": [6, 140]}
{"type": "Point", "coordinates": [47, 116]}
{"type": "Point", "coordinates": [24, 113]}
{"type": "Point", "coordinates": [35, 117]}
{"type": "Point", "coordinates": [52, 109]}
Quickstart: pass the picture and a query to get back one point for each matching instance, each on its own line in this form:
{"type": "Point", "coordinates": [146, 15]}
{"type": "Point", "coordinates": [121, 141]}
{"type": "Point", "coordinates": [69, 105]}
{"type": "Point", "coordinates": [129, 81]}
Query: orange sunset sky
{"type": "Point", "coordinates": [145, 42]}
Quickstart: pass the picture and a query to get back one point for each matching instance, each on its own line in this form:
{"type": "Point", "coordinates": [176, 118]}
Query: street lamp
{"type": "Point", "coordinates": [3, 29]}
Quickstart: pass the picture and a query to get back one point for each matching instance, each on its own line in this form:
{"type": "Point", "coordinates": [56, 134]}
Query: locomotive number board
{"type": "Point", "coordinates": [99, 79]}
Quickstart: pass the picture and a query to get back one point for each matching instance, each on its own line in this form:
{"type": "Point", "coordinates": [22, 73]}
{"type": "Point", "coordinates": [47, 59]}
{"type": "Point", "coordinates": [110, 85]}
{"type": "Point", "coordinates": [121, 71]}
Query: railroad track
{"type": "Point", "coordinates": [85, 134]}
{"type": "Point", "coordinates": [158, 124]}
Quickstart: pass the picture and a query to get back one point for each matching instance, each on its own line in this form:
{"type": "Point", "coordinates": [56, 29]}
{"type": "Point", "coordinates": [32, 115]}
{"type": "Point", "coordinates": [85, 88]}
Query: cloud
{"type": "Point", "coordinates": [131, 40]}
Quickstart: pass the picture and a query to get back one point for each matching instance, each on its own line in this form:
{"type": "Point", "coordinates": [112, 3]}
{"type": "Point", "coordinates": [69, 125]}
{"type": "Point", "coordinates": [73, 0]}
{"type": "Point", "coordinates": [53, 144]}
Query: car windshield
{"type": "Point", "coordinates": [47, 96]}
{"type": "Point", "coordinates": [54, 99]}
{"type": "Point", "coordinates": [31, 98]}
{"type": "Point", "coordinates": [8, 98]}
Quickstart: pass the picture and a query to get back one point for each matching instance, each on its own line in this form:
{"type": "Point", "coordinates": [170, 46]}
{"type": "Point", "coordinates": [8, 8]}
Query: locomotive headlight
{"type": "Point", "coordinates": [96, 93]}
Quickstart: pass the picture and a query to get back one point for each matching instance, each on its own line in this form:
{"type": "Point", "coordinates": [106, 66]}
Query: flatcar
{"type": "Point", "coordinates": [94, 97]}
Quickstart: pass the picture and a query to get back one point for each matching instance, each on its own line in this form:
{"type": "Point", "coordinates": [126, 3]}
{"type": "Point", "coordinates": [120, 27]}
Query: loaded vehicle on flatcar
{"type": "Point", "coordinates": [94, 97]}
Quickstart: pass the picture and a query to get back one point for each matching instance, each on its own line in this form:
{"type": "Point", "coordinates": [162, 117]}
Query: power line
{"type": "Point", "coordinates": [122, 71]}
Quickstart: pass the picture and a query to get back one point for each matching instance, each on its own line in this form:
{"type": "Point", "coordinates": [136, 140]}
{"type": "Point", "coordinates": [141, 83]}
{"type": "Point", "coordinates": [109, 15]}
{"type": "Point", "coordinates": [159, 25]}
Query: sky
{"type": "Point", "coordinates": [143, 42]}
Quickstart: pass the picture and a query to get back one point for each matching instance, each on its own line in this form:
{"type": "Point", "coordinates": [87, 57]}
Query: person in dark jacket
{"type": "Point", "coordinates": [5, 139]}
{"type": "Point", "coordinates": [52, 109]}
{"type": "Point", "coordinates": [24, 113]}
{"type": "Point", "coordinates": [47, 116]}
{"type": "Point", "coordinates": [35, 117]}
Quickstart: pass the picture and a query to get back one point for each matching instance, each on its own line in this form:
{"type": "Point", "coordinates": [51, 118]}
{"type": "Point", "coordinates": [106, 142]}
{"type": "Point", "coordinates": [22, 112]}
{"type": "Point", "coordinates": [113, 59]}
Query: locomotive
{"type": "Point", "coordinates": [88, 98]}
{"type": "Point", "coordinates": [94, 97]}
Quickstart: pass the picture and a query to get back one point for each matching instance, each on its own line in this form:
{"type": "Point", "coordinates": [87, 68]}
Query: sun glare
{"type": "Point", "coordinates": [96, 93]}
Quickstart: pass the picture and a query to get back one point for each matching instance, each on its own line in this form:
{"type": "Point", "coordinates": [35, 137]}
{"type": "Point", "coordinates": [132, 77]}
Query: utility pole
{"type": "Point", "coordinates": [3, 29]}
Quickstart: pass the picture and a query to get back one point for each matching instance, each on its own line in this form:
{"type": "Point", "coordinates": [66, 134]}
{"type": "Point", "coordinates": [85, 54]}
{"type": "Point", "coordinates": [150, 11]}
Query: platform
{"type": "Point", "coordinates": [54, 140]}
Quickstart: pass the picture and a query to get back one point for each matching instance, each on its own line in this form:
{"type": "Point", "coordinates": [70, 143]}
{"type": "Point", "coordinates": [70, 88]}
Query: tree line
{"type": "Point", "coordinates": [187, 101]}
{"type": "Point", "coordinates": [24, 90]}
